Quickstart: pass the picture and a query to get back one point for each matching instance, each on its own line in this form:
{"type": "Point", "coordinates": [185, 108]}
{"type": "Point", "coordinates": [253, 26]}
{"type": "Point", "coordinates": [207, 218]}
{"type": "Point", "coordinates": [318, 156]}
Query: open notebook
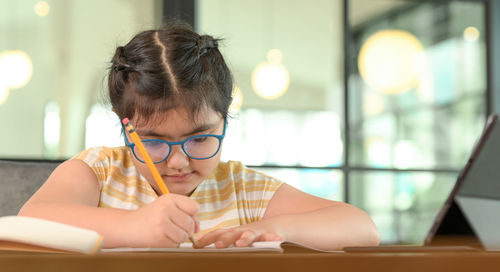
{"type": "Point", "coordinates": [274, 246]}
{"type": "Point", "coordinates": [19, 233]}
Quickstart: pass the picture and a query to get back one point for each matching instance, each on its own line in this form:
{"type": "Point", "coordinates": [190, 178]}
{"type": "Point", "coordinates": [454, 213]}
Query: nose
{"type": "Point", "coordinates": [177, 159]}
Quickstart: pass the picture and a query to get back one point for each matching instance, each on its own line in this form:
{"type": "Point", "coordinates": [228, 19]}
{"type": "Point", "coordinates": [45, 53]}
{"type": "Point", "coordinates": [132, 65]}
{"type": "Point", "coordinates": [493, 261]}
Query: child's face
{"type": "Point", "coordinates": [180, 173]}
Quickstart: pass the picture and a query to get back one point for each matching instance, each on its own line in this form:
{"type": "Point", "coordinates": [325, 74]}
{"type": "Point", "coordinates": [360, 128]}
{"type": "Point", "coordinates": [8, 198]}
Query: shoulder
{"type": "Point", "coordinates": [225, 170]}
{"type": "Point", "coordinates": [239, 173]}
{"type": "Point", "coordinates": [108, 161]}
{"type": "Point", "coordinates": [105, 156]}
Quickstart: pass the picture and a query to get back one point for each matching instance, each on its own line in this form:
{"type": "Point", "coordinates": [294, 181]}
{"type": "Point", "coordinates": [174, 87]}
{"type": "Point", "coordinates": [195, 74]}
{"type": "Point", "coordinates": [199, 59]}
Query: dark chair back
{"type": "Point", "coordinates": [19, 180]}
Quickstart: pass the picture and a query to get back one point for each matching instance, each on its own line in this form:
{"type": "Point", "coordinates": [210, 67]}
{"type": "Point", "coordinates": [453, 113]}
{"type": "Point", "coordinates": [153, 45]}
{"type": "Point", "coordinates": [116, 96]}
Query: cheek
{"type": "Point", "coordinates": [205, 167]}
{"type": "Point", "coordinates": [143, 169]}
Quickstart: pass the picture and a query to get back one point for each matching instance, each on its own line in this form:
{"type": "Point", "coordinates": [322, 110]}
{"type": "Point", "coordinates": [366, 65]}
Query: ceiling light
{"type": "Point", "coordinates": [389, 61]}
{"type": "Point", "coordinates": [270, 79]}
{"type": "Point", "coordinates": [15, 68]}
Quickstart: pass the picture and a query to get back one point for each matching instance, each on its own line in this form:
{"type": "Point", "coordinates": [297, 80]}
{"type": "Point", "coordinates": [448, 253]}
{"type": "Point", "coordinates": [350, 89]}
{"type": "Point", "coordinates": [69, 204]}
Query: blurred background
{"type": "Point", "coordinates": [373, 102]}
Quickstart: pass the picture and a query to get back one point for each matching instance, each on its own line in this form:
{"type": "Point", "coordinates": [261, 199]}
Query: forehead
{"type": "Point", "coordinates": [177, 117]}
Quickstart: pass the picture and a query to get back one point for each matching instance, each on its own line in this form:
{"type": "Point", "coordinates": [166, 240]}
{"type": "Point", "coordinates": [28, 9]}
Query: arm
{"type": "Point", "coordinates": [71, 196]}
{"type": "Point", "coordinates": [299, 217]}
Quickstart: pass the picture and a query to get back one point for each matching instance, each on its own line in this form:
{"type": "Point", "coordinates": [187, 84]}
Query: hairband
{"type": "Point", "coordinates": [205, 43]}
{"type": "Point", "coordinates": [121, 67]}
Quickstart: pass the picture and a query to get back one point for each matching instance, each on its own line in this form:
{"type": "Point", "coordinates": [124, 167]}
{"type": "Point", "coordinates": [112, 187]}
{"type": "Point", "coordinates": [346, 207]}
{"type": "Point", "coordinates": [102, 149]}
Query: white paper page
{"type": "Point", "coordinates": [188, 247]}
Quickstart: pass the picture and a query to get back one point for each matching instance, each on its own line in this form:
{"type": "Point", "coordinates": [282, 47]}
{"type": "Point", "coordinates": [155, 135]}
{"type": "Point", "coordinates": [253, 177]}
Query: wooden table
{"type": "Point", "coordinates": [443, 261]}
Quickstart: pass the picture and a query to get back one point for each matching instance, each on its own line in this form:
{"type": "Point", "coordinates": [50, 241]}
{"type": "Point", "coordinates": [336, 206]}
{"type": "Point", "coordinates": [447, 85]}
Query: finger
{"type": "Point", "coordinates": [175, 233]}
{"type": "Point", "coordinates": [228, 238]}
{"type": "Point", "coordinates": [209, 238]}
{"type": "Point", "coordinates": [247, 238]}
{"type": "Point", "coordinates": [183, 221]}
{"type": "Point", "coordinates": [196, 225]}
{"type": "Point", "coordinates": [186, 204]}
{"type": "Point", "coordinates": [166, 242]}
{"type": "Point", "coordinates": [269, 236]}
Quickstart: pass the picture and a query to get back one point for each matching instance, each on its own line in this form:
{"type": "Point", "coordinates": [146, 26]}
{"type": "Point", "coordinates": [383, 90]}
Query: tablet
{"type": "Point", "coordinates": [471, 213]}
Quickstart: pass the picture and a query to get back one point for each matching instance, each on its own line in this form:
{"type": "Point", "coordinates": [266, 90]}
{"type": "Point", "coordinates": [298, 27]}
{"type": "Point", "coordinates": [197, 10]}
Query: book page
{"type": "Point", "coordinates": [8, 246]}
{"type": "Point", "coordinates": [188, 247]}
{"type": "Point", "coordinates": [271, 246]}
{"type": "Point", "coordinates": [47, 234]}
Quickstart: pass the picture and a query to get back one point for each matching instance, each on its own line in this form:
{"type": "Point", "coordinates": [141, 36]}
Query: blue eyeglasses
{"type": "Point", "coordinates": [198, 147]}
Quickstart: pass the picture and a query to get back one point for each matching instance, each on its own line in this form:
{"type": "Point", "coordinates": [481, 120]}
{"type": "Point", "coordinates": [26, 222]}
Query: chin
{"type": "Point", "coordinates": [182, 189]}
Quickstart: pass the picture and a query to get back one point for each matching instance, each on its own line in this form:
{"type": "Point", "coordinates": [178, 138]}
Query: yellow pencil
{"type": "Point", "coordinates": [145, 156]}
{"type": "Point", "coordinates": [152, 168]}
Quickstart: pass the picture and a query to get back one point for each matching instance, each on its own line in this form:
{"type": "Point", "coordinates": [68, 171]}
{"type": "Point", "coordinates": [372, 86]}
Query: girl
{"type": "Point", "coordinates": [175, 87]}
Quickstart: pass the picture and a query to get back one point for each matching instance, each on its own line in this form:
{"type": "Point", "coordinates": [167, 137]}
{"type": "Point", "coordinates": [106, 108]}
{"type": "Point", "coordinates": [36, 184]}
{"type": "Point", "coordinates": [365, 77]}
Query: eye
{"type": "Point", "coordinates": [199, 139]}
{"type": "Point", "coordinates": [152, 144]}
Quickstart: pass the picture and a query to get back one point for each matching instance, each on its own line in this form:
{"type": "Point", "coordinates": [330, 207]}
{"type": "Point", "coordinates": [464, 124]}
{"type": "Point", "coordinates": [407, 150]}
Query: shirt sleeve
{"type": "Point", "coordinates": [98, 161]}
{"type": "Point", "coordinates": [260, 189]}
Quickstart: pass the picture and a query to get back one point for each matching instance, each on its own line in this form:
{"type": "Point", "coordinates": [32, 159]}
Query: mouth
{"type": "Point", "coordinates": [178, 177]}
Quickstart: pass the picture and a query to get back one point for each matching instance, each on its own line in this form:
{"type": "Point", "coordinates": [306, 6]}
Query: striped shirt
{"type": "Point", "coordinates": [232, 195]}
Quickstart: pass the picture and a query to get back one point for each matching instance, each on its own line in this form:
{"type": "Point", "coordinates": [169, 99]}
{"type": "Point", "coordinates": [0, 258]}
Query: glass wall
{"type": "Point", "coordinates": [417, 100]}
{"type": "Point", "coordinates": [288, 83]}
{"type": "Point", "coordinates": [54, 57]}
{"type": "Point", "coordinates": [402, 204]}
{"type": "Point", "coordinates": [417, 81]}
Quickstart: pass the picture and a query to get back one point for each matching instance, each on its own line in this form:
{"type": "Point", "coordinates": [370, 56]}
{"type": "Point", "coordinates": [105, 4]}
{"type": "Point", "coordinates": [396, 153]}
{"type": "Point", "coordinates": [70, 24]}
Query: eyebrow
{"type": "Point", "coordinates": [200, 128]}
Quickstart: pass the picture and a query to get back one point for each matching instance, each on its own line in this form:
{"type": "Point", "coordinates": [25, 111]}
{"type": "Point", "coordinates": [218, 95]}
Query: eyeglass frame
{"type": "Point", "coordinates": [181, 143]}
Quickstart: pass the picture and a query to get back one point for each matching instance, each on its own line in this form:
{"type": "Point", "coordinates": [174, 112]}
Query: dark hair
{"type": "Point", "coordinates": [162, 69]}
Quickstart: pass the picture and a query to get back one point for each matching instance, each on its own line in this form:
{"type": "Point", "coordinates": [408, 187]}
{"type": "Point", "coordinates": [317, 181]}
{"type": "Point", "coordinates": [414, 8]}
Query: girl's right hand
{"type": "Point", "coordinates": [166, 222]}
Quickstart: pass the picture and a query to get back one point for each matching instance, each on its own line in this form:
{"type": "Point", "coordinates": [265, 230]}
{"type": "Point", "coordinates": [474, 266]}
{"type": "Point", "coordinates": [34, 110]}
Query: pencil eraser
{"type": "Point", "coordinates": [125, 121]}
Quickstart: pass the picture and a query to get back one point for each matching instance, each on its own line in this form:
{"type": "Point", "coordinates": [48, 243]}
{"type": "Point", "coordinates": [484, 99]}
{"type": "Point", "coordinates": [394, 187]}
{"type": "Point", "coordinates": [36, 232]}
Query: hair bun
{"type": "Point", "coordinates": [119, 61]}
{"type": "Point", "coordinates": [206, 43]}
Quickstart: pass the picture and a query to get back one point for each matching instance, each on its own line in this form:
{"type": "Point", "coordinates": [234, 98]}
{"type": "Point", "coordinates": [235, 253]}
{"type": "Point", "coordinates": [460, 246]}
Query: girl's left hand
{"type": "Point", "coordinates": [241, 236]}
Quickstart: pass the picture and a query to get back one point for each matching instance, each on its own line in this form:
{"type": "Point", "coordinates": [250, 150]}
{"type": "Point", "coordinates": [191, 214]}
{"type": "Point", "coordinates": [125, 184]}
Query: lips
{"type": "Point", "coordinates": [178, 177]}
